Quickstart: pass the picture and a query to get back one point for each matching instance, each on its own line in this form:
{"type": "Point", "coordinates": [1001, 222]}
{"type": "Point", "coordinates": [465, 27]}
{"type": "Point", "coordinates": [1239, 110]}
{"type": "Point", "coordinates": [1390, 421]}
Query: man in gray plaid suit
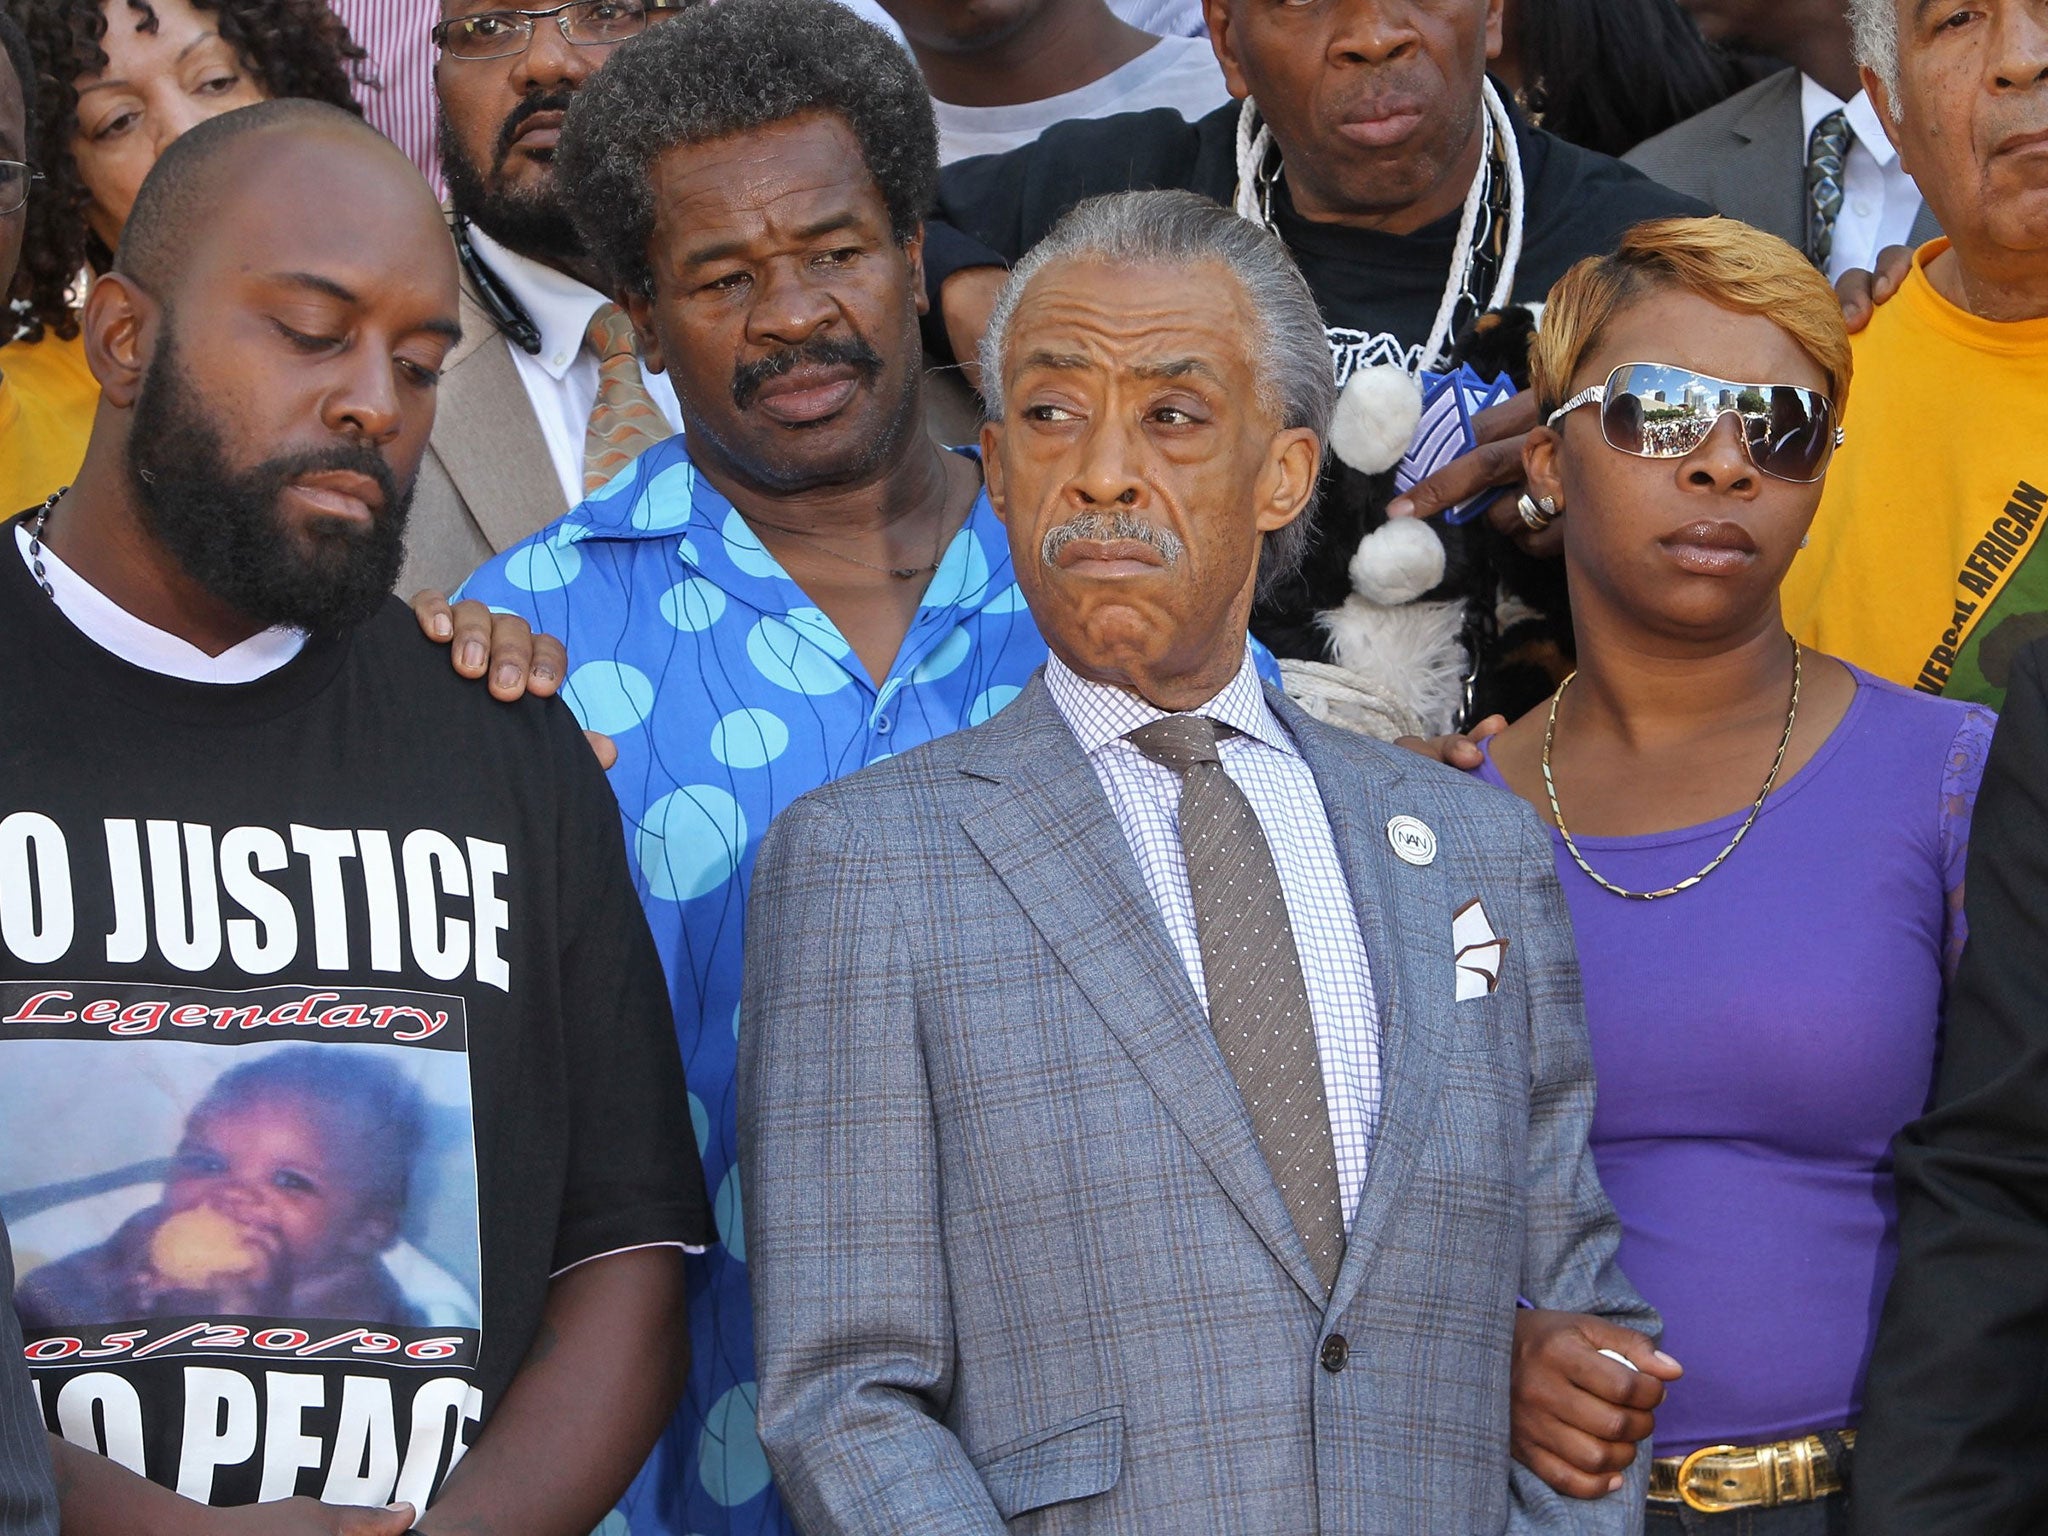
{"type": "Point", "coordinates": [1153, 1101]}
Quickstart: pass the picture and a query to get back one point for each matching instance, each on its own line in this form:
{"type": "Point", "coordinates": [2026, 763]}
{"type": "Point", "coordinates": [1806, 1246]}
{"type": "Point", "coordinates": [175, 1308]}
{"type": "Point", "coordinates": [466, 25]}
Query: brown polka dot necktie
{"type": "Point", "coordinates": [1258, 1001]}
{"type": "Point", "coordinates": [624, 421]}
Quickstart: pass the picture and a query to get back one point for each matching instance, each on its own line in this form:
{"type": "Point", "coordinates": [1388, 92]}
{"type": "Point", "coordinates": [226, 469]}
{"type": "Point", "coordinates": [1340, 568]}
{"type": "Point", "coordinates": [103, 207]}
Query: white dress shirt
{"type": "Point", "coordinates": [562, 380]}
{"type": "Point", "coordinates": [113, 628]}
{"type": "Point", "coordinates": [1263, 761]}
{"type": "Point", "coordinates": [1879, 200]}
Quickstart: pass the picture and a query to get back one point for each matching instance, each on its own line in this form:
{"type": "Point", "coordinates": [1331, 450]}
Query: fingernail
{"type": "Point", "coordinates": [395, 1508]}
{"type": "Point", "coordinates": [543, 674]}
{"type": "Point", "coordinates": [443, 626]}
{"type": "Point", "coordinates": [1614, 1485]}
{"type": "Point", "coordinates": [1400, 506]}
{"type": "Point", "coordinates": [1666, 1359]}
{"type": "Point", "coordinates": [508, 676]}
{"type": "Point", "coordinates": [473, 653]}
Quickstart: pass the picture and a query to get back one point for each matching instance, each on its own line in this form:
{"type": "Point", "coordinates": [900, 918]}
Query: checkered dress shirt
{"type": "Point", "coordinates": [1263, 761]}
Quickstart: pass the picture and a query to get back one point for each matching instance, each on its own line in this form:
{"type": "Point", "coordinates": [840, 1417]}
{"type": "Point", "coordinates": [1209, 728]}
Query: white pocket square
{"type": "Point", "coordinates": [1478, 951]}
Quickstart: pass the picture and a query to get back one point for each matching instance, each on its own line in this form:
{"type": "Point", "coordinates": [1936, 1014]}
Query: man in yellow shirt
{"type": "Point", "coordinates": [1922, 564]}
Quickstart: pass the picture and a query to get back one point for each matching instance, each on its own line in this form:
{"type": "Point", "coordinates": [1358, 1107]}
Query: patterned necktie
{"type": "Point", "coordinates": [1825, 152]}
{"type": "Point", "coordinates": [1258, 1002]}
{"type": "Point", "coordinates": [624, 421]}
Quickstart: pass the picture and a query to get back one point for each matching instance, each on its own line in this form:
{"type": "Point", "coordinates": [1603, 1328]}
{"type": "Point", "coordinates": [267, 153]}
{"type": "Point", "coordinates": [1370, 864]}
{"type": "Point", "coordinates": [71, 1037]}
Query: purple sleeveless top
{"type": "Point", "coordinates": [1759, 1040]}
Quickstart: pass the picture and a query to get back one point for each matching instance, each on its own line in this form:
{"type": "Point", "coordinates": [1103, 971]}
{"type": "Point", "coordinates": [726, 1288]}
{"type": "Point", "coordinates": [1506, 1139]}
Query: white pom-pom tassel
{"type": "Point", "coordinates": [1398, 562]}
{"type": "Point", "coordinates": [1376, 417]}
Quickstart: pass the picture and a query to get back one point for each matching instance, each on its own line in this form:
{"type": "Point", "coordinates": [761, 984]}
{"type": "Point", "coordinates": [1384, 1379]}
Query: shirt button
{"type": "Point", "coordinates": [882, 724]}
{"type": "Point", "coordinates": [1861, 208]}
{"type": "Point", "coordinates": [560, 361]}
{"type": "Point", "coordinates": [1336, 1353]}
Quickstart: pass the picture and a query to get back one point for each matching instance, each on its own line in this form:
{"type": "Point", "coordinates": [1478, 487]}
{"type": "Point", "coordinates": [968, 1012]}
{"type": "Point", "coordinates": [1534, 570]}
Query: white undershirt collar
{"type": "Point", "coordinates": [113, 628]}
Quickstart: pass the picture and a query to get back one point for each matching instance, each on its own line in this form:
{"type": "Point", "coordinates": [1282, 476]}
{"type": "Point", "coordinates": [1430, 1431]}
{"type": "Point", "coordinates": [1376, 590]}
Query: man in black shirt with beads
{"type": "Point", "coordinates": [1413, 197]}
{"type": "Point", "coordinates": [332, 1038]}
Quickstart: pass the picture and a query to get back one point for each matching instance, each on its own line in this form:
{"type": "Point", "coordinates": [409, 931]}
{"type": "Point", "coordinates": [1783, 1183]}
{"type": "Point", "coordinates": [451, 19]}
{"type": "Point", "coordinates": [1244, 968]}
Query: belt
{"type": "Point", "coordinates": [1718, 1478]}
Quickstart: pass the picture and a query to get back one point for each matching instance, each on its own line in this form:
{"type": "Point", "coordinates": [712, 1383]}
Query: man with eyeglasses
{"type": "Point", "coordinates": [28, 1501]}
{"type": "Point", "coordinates": [545, 397]}
{"type": "Point", "coordinates": [27, 437]}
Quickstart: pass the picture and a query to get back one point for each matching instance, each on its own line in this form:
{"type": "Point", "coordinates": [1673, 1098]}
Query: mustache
{"type": "Point", "coordinates": [529, 106]}
{"type": "Point", "coordinates": [827, 352]}
{"type": "Point", "coordinates": [1104, 527]}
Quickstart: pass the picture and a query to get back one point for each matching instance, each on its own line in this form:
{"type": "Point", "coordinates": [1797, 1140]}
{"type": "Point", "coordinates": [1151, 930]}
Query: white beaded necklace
{"type": "Point", "coordinates": [1258, 168]}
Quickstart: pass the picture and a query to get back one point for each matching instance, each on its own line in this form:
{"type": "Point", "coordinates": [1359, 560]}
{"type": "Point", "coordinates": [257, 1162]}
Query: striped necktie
{"type": "Point", "coordinates": [1825, 152]}
{"type": "Point", "coordinates": [1251, 969]}
{"type": "Point", "coordinates": [624, 421]}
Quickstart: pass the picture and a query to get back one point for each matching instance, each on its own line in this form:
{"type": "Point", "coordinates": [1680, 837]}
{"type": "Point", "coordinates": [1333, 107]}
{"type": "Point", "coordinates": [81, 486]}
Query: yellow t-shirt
{"type": "Point", "coordinates": [47, 400]}
{"type": "Point", "coordinates": [1921, 566]}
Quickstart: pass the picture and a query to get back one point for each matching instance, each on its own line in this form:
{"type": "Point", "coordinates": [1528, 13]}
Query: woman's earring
{"type": "Point", "coordinates": [1804, 541]}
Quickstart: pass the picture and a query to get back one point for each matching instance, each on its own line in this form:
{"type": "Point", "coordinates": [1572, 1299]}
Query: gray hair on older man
{"type": "Point", "coordinates": [1287, 345]}
{"type": "Point", "coordinates": [1876, 27]}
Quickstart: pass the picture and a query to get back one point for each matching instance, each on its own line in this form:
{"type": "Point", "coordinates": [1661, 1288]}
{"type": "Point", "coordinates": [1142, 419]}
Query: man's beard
{"type": "Point", "coordinates": [225, 527]}
{"type": "Point", "coordinates": [534, 223]}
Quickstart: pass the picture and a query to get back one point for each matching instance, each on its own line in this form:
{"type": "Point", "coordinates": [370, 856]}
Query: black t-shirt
{"type": "Point", "coordinates": [330, 1029]}
{"type": "Point", "coordinates": [1378, 292]}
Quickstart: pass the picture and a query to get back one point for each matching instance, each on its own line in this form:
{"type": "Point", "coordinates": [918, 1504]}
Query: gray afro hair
{"type": "Point", "coordinates": [1289, 349]}
{"type": "Point", "coordinates": [717, 71]}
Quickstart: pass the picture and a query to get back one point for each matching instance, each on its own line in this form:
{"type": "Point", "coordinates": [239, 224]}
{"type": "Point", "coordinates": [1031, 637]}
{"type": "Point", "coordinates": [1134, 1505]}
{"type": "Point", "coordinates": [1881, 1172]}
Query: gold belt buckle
{"type": "Point", "coordinates": [1685, 1471]}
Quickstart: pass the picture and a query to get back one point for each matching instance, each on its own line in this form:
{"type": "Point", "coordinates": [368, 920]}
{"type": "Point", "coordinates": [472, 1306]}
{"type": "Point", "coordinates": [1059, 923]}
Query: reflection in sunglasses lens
{"type": "Point", "coordinates": [1661, 412]}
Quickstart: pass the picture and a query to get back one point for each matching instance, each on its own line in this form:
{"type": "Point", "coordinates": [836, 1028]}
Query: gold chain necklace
{"type": "Point", "coordinates": [1771, 778]}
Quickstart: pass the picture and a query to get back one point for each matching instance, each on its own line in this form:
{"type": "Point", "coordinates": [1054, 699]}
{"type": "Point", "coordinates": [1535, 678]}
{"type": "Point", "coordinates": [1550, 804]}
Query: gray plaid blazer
{"type": "Point", "coordinates": [1016, 1258]}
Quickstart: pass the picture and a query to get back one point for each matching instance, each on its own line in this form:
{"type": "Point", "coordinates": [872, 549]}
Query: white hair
{"type": "Point", "coordinates": [1287, 345]}
{"type": "Point", "coordinates": [1875, 24]}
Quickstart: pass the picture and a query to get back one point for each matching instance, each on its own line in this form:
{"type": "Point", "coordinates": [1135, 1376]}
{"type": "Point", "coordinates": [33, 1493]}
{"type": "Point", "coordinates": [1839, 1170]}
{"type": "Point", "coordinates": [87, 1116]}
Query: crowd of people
{"type": "Point", "coordinates": [760, 778]}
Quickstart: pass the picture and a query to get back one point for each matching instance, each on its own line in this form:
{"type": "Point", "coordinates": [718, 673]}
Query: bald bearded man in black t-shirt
{"type": "Point", "coordinates": [328, 1007]}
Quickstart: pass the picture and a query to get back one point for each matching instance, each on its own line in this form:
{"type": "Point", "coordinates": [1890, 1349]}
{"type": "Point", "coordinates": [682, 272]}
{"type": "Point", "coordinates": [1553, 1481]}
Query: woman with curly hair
{"type": "Point", "coordinates": [117, 82]}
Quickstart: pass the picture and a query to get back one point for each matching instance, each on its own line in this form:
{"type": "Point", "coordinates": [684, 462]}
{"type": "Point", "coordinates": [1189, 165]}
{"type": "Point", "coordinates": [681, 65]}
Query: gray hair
{"type": "Point", "coordinates": [1875, 24]}
{"type": "Point", "coordinates": [1288, 347]}
{"type": "Point", "coordinates": [726, 70]}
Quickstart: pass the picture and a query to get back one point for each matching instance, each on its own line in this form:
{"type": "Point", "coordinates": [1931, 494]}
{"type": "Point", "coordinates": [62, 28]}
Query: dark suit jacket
{"type": "Point", "coordinates": [28, 1504]}
{"type": "Point", "coordinates": [1746, 158]}
{"type": "Point", "coordinates": [1955, 1424]}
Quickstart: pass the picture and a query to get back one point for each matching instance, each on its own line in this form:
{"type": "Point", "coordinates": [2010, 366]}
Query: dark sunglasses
{"type": "Point", "coordinates": [1660, 411]}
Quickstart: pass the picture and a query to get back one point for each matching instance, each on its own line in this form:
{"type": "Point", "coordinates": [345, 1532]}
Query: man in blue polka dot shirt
{"type": "Point", "coordinates": [810, 586]}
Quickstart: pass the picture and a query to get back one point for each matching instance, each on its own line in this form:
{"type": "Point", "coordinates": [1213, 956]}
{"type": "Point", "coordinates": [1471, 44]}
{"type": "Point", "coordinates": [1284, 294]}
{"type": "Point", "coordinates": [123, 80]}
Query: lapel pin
{"type": "Point", "coordinates": [1411, 840]}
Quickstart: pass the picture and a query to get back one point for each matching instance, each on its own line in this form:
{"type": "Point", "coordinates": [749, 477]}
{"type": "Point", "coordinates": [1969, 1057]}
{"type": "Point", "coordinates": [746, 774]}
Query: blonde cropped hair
{"type": "Point", "coordinates": [1723, 261]}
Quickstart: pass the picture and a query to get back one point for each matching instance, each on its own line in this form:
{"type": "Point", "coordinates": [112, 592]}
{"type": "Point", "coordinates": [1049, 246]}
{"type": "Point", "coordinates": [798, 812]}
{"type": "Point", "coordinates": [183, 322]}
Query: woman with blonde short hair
{"type": "Point", "coordinates": [1762, 848]}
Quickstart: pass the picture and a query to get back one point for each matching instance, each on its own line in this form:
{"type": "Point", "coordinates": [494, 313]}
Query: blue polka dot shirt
{"type": "Point", "coordinates": [730, 694]}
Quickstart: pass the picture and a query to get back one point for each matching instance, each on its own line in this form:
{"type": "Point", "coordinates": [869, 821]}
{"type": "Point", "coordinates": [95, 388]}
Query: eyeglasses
{"type": "Point", "coordinates": [1659, 411]}
{"type": "Point", "coordinates": [14, 183]}
{"type": "Point", "coordinates": [586, 23]}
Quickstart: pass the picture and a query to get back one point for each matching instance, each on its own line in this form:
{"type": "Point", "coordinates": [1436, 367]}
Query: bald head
{"type": "Point", "coordinates": [198, 182]}
{"type": "Point", "coordinates": [268, 344]}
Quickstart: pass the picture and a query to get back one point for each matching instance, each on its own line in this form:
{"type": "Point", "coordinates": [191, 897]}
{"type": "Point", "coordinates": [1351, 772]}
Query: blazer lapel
{"type": "Point", "coordinates": [1404, 913]}
{"type": "Point", "coordinates": [1051, 837]}
{"type": "Point", "coordinates": [487, 439]}
{"type": "Point", "coordinates": [1762, 179]}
